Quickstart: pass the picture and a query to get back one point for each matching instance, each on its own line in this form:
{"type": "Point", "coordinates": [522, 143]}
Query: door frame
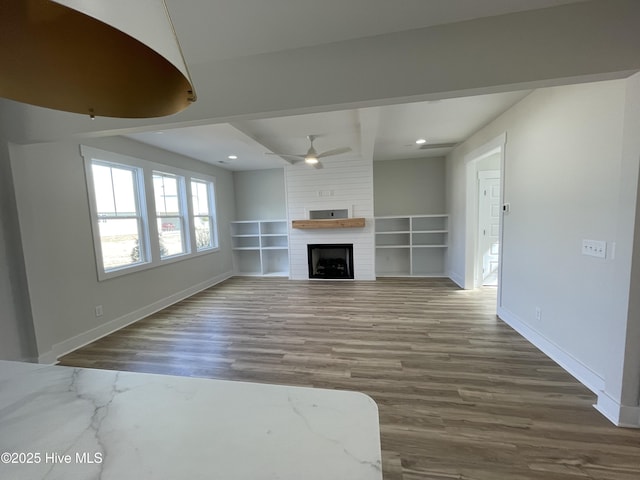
{"type": "Point", "coordinates": [497, 145]}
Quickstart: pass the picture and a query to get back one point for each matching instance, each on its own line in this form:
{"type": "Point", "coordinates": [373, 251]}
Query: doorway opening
{"type": "Point", "coordinates": [484, 215]}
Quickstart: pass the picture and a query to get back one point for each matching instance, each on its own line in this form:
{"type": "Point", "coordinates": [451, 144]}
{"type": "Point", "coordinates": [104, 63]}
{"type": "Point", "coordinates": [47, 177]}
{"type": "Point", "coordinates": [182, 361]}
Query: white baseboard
{"type": "Point", "coordinates": [457, 279]}
{"type": "Point", "coordinates": [573, 366]}
{"type": "Point", "coordinates": [73, 343]}
{"type": "Point", "coordinates": [619, 415]}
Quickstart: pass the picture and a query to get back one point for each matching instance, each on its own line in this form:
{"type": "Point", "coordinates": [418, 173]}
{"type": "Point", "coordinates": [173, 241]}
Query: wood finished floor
{"type": "Point", "coordinates": [461, 395]}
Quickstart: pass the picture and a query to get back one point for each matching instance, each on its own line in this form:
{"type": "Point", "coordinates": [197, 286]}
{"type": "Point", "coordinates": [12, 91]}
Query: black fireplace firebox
{"type": "Point", "coordinates": [330, 261]}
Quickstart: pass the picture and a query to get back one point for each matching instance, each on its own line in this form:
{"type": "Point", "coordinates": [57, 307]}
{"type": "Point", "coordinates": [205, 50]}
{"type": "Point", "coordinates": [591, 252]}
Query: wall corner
{"type": "Point", "coordinates": [619, 415]}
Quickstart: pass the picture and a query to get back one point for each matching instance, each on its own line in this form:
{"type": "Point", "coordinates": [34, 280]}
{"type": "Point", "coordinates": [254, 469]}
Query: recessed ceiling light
{"type": "Point", "coordinates": [420, 141]}
{"type": "Point", "coordinates": [232, 157]}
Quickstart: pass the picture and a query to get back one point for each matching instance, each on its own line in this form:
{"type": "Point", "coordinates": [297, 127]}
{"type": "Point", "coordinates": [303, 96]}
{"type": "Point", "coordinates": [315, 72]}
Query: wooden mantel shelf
{"type": "Point", "coordinates": [329, 223]}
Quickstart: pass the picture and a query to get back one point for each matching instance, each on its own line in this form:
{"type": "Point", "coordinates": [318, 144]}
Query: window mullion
{"type": "Point", "coordinates": [185, 211]}
{"type": "Point", "coordinates": [190, 220]}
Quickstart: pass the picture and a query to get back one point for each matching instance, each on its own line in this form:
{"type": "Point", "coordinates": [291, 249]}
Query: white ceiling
{"type": "Point", "coordinates": [391, 136]}
{"type": "Point", "coordinates": [250, 27]}
{"type": "Point", "coordinates": [253, 27]}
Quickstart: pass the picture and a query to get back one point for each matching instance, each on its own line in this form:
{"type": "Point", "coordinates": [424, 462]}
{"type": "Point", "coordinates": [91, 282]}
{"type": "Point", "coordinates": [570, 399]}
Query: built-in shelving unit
{"type": "Point", "coordinates": [412, 245]}
{"type": "Point", "coordinates": [260, 247]}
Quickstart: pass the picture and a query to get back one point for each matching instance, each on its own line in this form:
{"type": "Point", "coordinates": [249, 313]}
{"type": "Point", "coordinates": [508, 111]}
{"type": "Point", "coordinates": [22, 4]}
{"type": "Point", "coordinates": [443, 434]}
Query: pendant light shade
{"type": "Point", "coordinates": [112, 58]}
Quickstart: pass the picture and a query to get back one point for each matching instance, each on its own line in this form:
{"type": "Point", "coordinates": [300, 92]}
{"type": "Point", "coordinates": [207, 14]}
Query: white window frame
{"type": "Point", "coordinates": [182, 214]}
{"type": "Point", "coordinates": [213, 222]}
{"type": "Point", "coordinates": [150, 239]}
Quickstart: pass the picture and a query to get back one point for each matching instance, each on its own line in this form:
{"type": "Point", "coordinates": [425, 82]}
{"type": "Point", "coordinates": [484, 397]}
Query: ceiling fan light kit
{"type": "Point", "coordinates": [110, 58]}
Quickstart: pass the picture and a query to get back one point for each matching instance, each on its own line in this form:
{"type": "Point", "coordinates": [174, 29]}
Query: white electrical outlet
{"type": "Point", "coordinates": [594, 248]}
{"type": "Point", "coordinates": [538, 313]}
{"type": "Point", "coordinates": [99, 311]}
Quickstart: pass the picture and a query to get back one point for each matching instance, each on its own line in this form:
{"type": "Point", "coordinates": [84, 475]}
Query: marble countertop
{"type": "Point", "coordinates": [74, 423]}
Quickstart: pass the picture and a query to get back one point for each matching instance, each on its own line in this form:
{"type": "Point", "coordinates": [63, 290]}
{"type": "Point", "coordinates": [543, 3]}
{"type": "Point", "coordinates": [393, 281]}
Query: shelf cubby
{"type": "Point", "coordinates": [392, 239]}
{"type": "Point", "coordinates": [411, 245]}
{"type": "Point", "coordinates": [393, 224]}
{"type": "Point", "coordinates": [392, 262]}
{"type": "Point", "coordinates": [260, 247]}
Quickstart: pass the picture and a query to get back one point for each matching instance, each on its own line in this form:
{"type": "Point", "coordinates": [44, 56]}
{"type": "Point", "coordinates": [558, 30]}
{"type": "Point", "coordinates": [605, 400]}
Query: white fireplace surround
{"type": "Point", "coordinates": [349, 183]}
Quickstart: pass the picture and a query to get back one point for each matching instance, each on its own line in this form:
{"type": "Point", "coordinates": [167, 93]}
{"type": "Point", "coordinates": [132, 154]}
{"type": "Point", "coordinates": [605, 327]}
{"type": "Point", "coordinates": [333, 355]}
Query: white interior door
{"type": "Point", "coordinates": [489, 227]}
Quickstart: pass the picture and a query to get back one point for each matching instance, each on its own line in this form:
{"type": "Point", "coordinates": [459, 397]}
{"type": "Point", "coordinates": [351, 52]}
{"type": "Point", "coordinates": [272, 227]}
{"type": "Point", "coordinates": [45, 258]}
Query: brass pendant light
{"type": "Point", "coordinates": [112, 58]}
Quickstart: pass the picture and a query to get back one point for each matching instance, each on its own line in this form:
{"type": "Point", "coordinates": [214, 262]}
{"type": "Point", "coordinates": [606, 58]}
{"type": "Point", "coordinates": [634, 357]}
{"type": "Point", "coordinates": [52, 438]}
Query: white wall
{"type": "Point", "coordinates": [413, 186]}
{"type": "Point", "coordinates": [563, 173]}
{"type": "Point", "coordinates": [346, 182]}
{"type": "Point", "coordinates": [55, 225]}
{"type": "Point", "coordinates": [620, 398]}
{"type": "Point", "coordinates": [260, 194]}
{"type": "Point", "coordinates": [17, 341]}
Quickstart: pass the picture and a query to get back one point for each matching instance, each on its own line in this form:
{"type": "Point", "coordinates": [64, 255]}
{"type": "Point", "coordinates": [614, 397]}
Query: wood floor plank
{"type": "Point", "coordinates": [460, 394]}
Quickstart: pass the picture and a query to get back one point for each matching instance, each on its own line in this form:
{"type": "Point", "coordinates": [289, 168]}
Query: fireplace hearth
{"type": "Point", "coordinates": [330, 261]}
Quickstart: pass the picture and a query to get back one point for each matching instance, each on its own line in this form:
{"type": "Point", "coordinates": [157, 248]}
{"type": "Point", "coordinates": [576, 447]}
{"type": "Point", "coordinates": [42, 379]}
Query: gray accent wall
{"type": "Point", "coordinates": [409, 187]}
{"type": "Point", "coordinates": [260, 194]}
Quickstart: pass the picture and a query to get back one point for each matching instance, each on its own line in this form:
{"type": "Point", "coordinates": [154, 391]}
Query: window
{"type": "Point", "coordinates": [120, 222]}
{"type": "Point", "coordinates": [169, 199]}
{"type": "Point", "coordinates": [144, 214]}
{"type": "Point", "coordinates": [203, 218]}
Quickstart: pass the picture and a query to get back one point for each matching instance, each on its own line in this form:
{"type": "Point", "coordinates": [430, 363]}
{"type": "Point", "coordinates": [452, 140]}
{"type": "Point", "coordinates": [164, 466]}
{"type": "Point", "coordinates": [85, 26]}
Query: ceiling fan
{"type": "Point", "coordinates": [311, 158]}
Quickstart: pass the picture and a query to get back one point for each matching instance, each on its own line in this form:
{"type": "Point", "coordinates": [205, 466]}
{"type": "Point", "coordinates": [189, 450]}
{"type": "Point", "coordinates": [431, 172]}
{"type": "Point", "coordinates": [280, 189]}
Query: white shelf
{"type": "Point", "coordinates": [411, 245]}
{"type": "Point", "coordinates": [245, 229]}
{"type": "Point", "coordinates": [260, 247]}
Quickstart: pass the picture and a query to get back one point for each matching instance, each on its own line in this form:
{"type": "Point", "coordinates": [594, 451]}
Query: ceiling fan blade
{"type": "Point", "coordinates": [286, 155]}
{"type": "Point", "coordinates": [317, 166]}
{"type": "Point", "coordinates": [434, 146]}
{"type": "Point", "coordinates": [335, 151]}
{"type": "Point", "coordinates": [291, 161]}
